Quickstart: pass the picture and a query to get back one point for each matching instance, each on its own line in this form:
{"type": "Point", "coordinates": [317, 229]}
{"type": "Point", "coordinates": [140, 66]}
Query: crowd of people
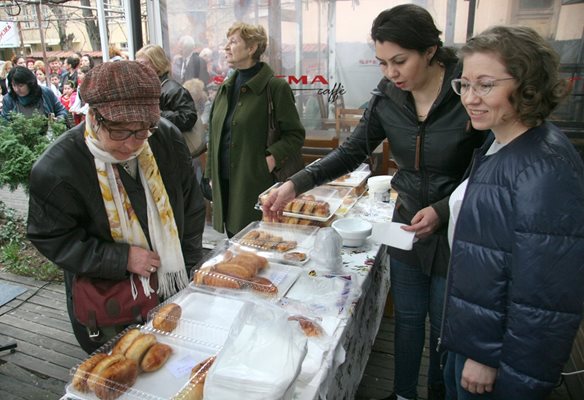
{"type": "Point", "coordinates": [497, 266]}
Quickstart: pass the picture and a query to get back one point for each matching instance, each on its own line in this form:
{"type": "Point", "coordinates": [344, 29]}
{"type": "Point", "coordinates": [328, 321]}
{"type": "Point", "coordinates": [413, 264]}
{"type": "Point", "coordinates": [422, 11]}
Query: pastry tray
{"type": "Point", "coordinates": [282, 276]}
{"type": "Point", "coordinates": [164, 383]}
{"type": "Point", "coordinates": [271, 235]}
{"type": "Point", "coordinates": [319, 194]}
{"type": "Point", "coordinates": [350, 196]}
{"type": "Point", "coordinates": [355, 178]}
{"type": "Point", "coordinates": [205, 317]}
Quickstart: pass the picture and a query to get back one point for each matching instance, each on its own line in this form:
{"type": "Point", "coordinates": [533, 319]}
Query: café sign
{"type": "Point", "coordinates": [8, 35]}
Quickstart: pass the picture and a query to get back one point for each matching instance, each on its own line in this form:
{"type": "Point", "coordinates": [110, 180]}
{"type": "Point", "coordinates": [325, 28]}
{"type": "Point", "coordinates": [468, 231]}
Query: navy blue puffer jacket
{"type": "Point", "coordinates": [516, 279]}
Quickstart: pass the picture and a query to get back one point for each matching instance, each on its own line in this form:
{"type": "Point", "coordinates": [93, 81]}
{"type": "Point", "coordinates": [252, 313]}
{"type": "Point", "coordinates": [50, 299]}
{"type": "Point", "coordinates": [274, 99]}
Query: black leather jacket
{"type": "Point", "coordinates": [67, 220]}
{"type": "Point", "coordinates": [177, 104]}
{"type": "Point", "coordinates": [432, 157]}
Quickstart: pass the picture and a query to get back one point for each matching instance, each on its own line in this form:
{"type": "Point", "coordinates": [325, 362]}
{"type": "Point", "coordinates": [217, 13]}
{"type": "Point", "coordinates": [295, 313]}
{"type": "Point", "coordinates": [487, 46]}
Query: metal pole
{"type": "Point", "coordinates": [102, 31]}
{"type": "Point", "coordinates": [472, 5]}
{"type": "Point", "coordinates": [134, 26]}
{"type": "Point", "coordinates": [40, 22]}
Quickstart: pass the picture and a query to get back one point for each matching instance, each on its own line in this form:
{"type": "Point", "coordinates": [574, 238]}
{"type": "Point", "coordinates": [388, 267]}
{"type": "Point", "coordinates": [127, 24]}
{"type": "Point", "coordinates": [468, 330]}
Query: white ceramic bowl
{"type": "Point", "coordinates": [354, 231]}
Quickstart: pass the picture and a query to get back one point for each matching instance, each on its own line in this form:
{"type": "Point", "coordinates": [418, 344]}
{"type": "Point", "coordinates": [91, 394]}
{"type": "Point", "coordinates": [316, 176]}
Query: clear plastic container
{"type": "Point", "coordinates": [283, 243]}
{"type": "Point", "coordinates": [228, 269]}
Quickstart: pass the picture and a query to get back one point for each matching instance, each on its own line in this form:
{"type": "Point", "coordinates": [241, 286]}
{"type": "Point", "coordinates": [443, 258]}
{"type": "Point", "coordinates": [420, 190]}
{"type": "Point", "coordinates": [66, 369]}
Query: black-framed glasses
{"type": "Point", "coordinates": [480, 88]}
{"type": "Point", "coordinates": [119, 135]}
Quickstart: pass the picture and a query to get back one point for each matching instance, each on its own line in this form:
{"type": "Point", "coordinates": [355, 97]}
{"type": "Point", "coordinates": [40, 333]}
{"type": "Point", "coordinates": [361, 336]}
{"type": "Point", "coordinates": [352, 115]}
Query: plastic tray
{"type": "Point", "coordinates": [317, 196]}
{"type": "Point", "coordinates": [281, 276]}
{"type": "Point", "coordinates": [168, 380]}
{"type": "Point", "coordinates": [205, 317]}
{"type": "Point", "coordinates": [265, 237]}
{"type": "Point", "coordinates": [350, 196]}
{"type": "Point", "coordinates": [323, 295]}
{"type": "Point", "coordinates": [355, 178]}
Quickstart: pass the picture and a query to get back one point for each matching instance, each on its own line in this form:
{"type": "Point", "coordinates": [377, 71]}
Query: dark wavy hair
{"type": "Point", "coordinates": [532, 62]}
{"type": "Point", "coordinates": [411, 27]}
{"type": "Point", "coordinates": [23, 75]}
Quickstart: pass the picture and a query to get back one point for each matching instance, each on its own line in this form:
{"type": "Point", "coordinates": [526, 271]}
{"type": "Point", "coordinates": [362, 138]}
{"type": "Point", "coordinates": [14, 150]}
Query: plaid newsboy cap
{"type": "Point", "coordinates": [123, 91]}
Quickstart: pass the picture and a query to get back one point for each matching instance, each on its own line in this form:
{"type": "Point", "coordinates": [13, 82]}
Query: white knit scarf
{"type": "Point", "coordinates": [124, 224]}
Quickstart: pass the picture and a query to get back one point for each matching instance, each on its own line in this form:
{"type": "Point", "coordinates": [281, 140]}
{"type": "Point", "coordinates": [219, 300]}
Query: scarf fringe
{"type": "Point", "coordinates": [172, 283]}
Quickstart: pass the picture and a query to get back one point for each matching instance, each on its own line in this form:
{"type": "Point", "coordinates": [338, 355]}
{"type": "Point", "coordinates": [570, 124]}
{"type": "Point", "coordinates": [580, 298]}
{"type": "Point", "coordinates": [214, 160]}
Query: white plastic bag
{"type": "Point", "coordinates": [261, 358]}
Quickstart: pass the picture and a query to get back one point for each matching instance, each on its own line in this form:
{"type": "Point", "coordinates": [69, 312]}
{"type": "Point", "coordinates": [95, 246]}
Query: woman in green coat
{"type": "Point", "coordinates": [239, 165]}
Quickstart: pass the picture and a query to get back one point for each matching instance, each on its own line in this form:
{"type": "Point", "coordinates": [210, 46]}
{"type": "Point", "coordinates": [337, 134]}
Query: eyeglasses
{"type": "Point", "coordinates": [119, 135]}
{"type": "Point", "coordinates": [479, 88]}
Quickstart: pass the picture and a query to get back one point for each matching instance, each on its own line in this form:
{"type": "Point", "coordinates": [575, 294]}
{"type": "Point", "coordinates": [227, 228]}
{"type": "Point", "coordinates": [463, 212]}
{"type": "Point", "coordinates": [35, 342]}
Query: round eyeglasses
{"type": "Point", "coordinates": [480, 88]}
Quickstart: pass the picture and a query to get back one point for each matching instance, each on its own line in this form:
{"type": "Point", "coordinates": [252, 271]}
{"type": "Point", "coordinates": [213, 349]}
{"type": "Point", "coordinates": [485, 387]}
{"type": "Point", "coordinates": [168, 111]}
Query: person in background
{"type": "Point", "coordinates": [190, 64]}
{"type": "Point", "coordinates": [55, 80]}
{"type": "Point", "coordinates": [238, 163]}
{"type": "Point", "coordinates": [79, 107]}
{"type": "Point", "coordinates": [20, 61]}
{"type": "Point", "coordinates": [516, 283]}
{"type": "Point", "coordinates": [196, 88]}
{"type": "Point", "coordinates": [176, 103]}
{"type": "Point", "coordinates": [30, 64]}
{"type": "Point", "coordinates": [86, 61]}
{"type": "Point", "coordinates": [39, 64]}
{"type": "Point", "coordinates": [69, 95]}
{"type": "Point", "coordinates": [42, 81]}
{"type": "Point", "coordinates": [6, 67]}
{"type": "Point", "coordinates": [71, 65]}
{"type": "Point", "coordinates": [27, 97]}
{"type": "Point", "coordinates": [54, 65]}
{"type": "Point", "coordinates": [123, 167]}
{"type": "Point", "coordinates": [432, 142]}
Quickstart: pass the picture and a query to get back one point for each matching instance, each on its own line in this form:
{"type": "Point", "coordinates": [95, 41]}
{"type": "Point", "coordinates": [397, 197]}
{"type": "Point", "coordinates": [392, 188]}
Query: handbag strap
{"type": "Point", "coordinates": [273, 131]}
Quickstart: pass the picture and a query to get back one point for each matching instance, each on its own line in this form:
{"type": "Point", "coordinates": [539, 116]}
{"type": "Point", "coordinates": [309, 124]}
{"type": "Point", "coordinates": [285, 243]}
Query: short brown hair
{"type": "Point", "coordinates": [531, 61]}
{"type": "Point", "coordinates": [251, 34]}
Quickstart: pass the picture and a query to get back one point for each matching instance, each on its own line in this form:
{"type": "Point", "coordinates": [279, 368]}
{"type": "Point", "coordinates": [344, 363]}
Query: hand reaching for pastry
{"type": "Point", "coordinates": [277, 200]}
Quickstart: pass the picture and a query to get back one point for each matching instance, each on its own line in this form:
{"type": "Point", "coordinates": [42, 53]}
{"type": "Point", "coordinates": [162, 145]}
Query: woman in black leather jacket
{"type": "Point", "coordinates": [432, 141]}
{"type": "Point", "coordinates": [176, 103]}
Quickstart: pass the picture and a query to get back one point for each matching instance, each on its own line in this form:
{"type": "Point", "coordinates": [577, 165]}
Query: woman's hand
{"type": "Point", "coordinates": [277, 200]}
{"type": "Point", "coordinates": [142, 262]}
{"type": "Point", "coordinates": [424, 223]}
{"type": "Point", "coordinates": [477, 377]}
{"type": "Point", "coordinates": [271, 161]}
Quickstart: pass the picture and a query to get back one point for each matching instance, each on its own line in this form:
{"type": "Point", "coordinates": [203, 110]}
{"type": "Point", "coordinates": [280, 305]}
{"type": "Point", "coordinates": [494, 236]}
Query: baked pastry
{"type": "Point", "coordinates": [258, 261]}
{"type": "Point", "coordinates": [94, 379]}
{"type": "Point", "coordinates": [309, 327]}
{"type": "Point", "coordinates": [166, 319]}
{"type": "Point", "coordinates": [79, 381]}
{"type": "Point", "coordinates": [307, 197]}
{"type": "Point", "coordinates": [210, 278]}
{"type": "Point", "coordinates": [263, 285]}
{"type": "Point", "coordinates": [236, 269]}
{"type": "Point", "coordinates": [297, 206]}
{"type": "Point", "coordinates": [139, 347]}
{"type": "Point", "coordinates": [194, 389]}
{"type": "Point", "coordinates": [116, 379]}
{"type": "Point", "coordinates": [295, 256]}
{"type": "Point", "coordinates": [125, 341]}
{"type": "Point", "coordinates": [155, 357]}
{"type": "Point", "coordinates": [322, 209]}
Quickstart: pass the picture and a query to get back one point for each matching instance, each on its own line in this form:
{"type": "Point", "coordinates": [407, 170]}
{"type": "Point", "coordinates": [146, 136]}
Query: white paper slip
{"type": "Point", "coordinates": [392, 235]}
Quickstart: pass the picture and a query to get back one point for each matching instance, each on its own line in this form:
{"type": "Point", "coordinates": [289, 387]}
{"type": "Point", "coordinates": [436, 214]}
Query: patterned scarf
{"type": "Point", "coordinates": [124, 224]}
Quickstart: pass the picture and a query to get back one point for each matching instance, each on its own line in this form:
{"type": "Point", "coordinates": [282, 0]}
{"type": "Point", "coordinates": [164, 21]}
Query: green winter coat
{"type": "Point", "coordinates": [249, 175]}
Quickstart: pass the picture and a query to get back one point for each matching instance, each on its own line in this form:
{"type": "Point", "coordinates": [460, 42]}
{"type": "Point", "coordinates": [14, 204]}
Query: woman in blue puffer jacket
{"type": "Point", "coordinates": [516, 282]}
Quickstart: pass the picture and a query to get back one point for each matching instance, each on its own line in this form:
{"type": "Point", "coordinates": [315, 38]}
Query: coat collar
{"type": "Point", "coordinates": [258, 83]}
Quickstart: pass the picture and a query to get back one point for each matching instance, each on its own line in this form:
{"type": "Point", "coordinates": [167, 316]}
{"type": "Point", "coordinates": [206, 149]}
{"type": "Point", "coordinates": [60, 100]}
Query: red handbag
{"type": "Point", "coordinates": [104, 302]}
